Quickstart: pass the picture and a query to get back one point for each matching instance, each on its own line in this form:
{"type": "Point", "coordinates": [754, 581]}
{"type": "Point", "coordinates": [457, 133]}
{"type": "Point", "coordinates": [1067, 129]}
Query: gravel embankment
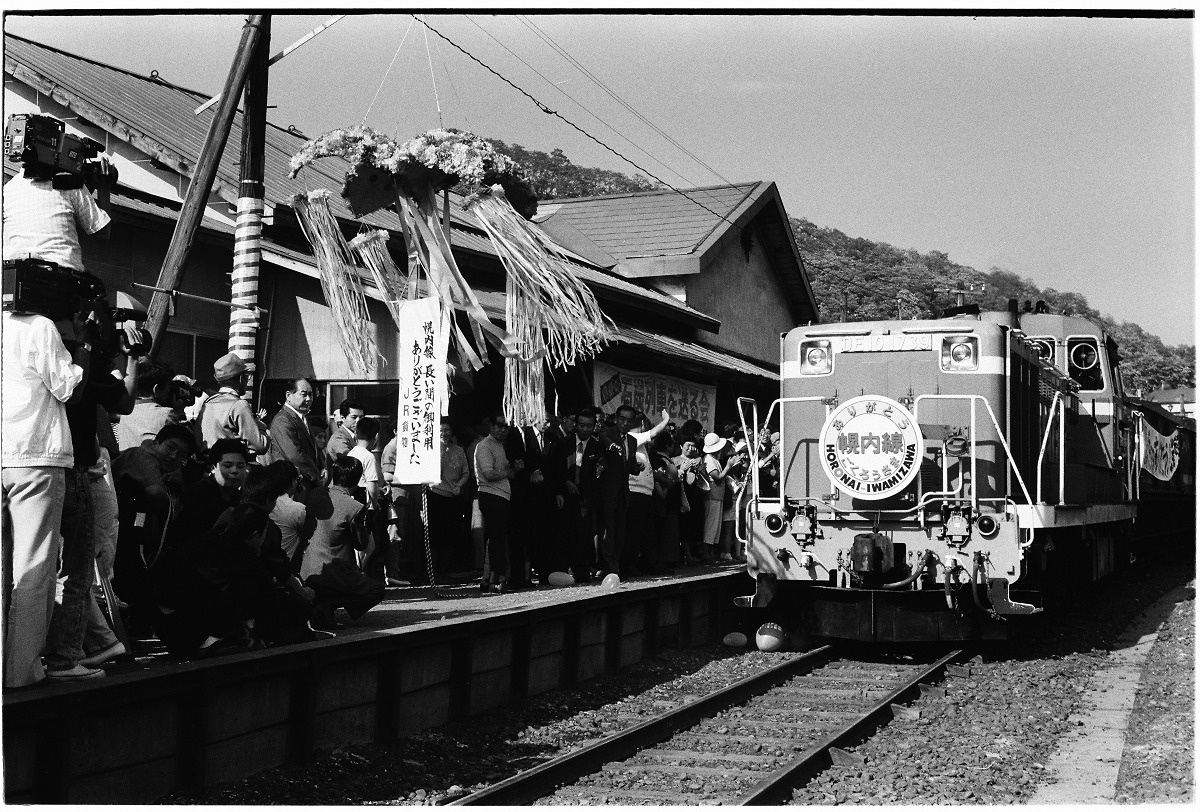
{"type": "Point", "coordinates": [988, 740]}
{"type": "Point", "coordinates": [985, 742]}
{"type": "Point", "coordinates": [1157, 765]}
{"type": "Point", "coordinates": [463, 756]}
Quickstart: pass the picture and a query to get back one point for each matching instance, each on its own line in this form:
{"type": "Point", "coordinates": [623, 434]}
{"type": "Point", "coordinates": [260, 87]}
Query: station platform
{"type": "Point", "coordinates": [425, 656]}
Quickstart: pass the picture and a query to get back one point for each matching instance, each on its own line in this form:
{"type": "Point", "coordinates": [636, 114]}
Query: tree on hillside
{"type": "Point", "coordinates": [855, 279]}
{"type": "Point", "coordinates": [553, 175]}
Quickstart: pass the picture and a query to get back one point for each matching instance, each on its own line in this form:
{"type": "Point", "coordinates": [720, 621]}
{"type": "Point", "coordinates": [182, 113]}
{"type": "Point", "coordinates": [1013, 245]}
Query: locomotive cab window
{"type": "Point", "coordinates": [1044, 347]}
{"type": "Point", "coordinates": [1083, 363]}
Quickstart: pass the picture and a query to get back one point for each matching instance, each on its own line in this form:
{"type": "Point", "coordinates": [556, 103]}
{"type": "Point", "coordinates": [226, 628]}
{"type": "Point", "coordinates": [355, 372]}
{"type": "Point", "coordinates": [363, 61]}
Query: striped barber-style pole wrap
{"type": "Point", "coordinates": [247, 254]}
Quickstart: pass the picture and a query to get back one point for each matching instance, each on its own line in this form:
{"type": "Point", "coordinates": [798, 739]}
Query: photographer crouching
{"type": "Point", "coordinates": [67, 351]}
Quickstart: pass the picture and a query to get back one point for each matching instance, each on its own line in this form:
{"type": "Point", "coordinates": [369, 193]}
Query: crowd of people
{"type": "Point", "coordinates": [137, 504]}
{"type": "Point", "coordinates": [220, 532]}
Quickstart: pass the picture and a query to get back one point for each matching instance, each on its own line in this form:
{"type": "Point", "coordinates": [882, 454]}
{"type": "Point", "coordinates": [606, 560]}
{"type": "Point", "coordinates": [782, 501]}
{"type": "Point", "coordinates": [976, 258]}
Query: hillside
{"type": "Point", "coordinates": [856, 279]}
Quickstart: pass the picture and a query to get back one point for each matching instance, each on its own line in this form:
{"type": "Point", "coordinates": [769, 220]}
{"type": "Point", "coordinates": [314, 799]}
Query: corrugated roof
{"type": "Point", "coordinates": [645, 224]}
{"type": "Point", "coordinates": [669, 348]}
{"type": "Point", "coordinates": [164, 114]}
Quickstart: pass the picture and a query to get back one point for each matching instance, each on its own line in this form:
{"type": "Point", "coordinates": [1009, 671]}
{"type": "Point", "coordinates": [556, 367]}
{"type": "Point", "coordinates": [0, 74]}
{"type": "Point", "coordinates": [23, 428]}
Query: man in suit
{"type": "Point", "coordinates": [536, 499]}
{"type": "Point", "coordinates": [581, 495]}
{"type": "Point", "coordinates": [618, 461]}
{"type": "Point", "coordinates": [291, 438]}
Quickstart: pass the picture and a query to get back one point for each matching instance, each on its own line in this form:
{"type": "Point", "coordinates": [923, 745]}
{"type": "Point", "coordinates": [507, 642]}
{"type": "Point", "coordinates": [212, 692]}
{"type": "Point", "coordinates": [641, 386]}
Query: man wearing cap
{"type": "Point", "coordinates": [226, 414]}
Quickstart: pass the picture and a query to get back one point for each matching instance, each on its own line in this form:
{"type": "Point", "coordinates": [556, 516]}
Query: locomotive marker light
{"type": "Point", "coordinates": [816, 357]}
{"type": "Point", "coordinates": [871, 447]}
{"type": "Point", "coordinates": [960, 353]}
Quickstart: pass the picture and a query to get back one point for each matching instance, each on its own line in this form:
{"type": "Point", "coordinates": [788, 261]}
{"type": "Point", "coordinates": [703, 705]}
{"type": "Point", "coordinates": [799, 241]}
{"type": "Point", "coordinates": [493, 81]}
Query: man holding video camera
{"type": "Point", "coordinates": [45, 282]}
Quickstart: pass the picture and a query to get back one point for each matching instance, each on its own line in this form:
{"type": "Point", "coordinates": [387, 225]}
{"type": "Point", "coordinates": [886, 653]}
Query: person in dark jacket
{"type": "Point", "coordinates": [581, 496]}
{"type": "Point", "coordinates": [330, 566]}
{"type": "Point", "coordinates": [231, 588]}
{"type": "Point", "coordinates": [537, 496]}
{"type": "Point", "coordinates": [204, 502]}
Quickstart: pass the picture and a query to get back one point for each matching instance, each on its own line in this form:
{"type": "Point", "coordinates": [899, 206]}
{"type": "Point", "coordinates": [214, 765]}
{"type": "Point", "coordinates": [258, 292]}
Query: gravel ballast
{"type": "Point", "coordinates": [987, 741]}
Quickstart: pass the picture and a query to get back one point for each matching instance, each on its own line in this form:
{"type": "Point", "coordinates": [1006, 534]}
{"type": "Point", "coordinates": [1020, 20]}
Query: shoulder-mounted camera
{"type": "Point", "coordinates": [33, 285]}
{"type": "Point", "coordinates": [48, 152]}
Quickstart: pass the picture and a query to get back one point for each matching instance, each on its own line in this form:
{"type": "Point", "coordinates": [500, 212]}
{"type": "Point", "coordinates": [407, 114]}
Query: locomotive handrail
{"type": "Point", "coordinates": [1000, 434]}
{"type": "Point", "coordinates": [1060, 419]}
{"type": "Point", "coordinates": [782, 436]}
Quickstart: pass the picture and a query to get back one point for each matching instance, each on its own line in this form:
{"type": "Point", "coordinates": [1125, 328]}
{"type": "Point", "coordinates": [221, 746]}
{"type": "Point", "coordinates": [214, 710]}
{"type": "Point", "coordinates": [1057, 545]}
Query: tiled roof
{"type": "Point", "coordinates": [164, 114]}
{"type": "Point", "coordinates": [646, 224]}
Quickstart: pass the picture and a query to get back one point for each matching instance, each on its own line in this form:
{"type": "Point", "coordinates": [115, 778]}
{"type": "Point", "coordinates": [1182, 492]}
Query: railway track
{"type": "Point", "coordinates": [749, 743]}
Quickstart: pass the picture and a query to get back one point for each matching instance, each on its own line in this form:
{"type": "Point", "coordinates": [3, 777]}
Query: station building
{"type": "Point", "coordinates": [700, 285]}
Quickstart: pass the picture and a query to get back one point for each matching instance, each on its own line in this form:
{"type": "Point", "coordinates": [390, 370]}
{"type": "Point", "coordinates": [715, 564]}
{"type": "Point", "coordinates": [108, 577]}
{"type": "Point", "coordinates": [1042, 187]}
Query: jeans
{"type": "Point", "coordinates": [64, 646]}
{"type": "Point", "coordinates": [32, 510]}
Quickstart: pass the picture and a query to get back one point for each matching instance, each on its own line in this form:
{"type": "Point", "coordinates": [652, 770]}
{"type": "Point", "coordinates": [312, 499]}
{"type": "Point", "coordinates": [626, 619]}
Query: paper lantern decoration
{"type": "Point", "coordinates": [770, 637]}
{"type": "Point", "coordinates": [611, 581]}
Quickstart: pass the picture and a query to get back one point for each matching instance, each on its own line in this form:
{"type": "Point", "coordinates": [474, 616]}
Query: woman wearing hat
{"type": "Point", "coordinates": [718, 461]}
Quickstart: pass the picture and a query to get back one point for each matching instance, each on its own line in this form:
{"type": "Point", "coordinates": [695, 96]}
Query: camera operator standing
{"type": "Point", "coordinates": [44, 208]}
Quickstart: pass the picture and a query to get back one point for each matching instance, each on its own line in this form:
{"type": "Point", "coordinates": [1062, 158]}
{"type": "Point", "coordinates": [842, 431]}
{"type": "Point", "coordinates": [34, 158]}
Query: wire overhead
{"type": "Point", "coordinates": [387, 73]}
{"type": "Point", "coordinates": [575, 126]}
{"type": "Point", "coordinates": [429, 56]}
{"type": "Point", "coordinates": [615, 96]}
{"type": "Point", "coordinates": [580, 104]}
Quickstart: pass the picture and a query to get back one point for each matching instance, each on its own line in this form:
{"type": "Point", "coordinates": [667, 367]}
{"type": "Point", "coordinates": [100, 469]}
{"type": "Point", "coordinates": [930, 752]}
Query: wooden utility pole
{"type": "Point", "coordinates": [202, 179]}
{"type": "Point", "coordinates": [247, 238]}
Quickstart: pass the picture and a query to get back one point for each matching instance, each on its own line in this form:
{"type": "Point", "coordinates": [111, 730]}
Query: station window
{"type": "Point", "coordinates": [190, 354]}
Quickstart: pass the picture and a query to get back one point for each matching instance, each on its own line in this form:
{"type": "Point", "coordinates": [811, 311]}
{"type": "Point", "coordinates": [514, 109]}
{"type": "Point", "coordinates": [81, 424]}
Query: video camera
{"type": "Point", "coordinates": [32, 285]}
{"type": "Point", "coordinates": [48, 152]}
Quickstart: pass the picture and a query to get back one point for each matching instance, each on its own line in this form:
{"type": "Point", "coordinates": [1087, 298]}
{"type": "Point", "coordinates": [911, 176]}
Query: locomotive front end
{"type": "Point", "coordinates": [896, 514]}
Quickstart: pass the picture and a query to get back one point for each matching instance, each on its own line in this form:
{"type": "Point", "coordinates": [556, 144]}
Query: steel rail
{"type": "Point", "coordinates": [545, 778]}
{"type": "Point", "coordinates": [777, 787]}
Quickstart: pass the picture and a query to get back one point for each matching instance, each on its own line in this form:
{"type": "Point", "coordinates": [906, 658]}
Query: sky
{"type": "Point", "coordinates": [1061, 149]}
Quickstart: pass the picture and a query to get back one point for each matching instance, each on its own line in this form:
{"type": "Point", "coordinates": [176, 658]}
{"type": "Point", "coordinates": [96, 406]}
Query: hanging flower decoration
{"type": "Point", "coordinates": [438, 159]}
{"type": "Point", "coordinates": [551, 316]}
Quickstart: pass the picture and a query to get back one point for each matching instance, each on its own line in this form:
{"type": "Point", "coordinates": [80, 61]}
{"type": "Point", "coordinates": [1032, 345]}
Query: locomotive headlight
{"type": "Point", "coordinates": [986, 525]}
{"type": "Point", "coordinates": [960, 353]}
{"type": "Point", "coordinates": [1083, 356]}
{"type": "Point", "coordinates": [775, 524]}
{"type": "Point", "coordinates": [816, 357]}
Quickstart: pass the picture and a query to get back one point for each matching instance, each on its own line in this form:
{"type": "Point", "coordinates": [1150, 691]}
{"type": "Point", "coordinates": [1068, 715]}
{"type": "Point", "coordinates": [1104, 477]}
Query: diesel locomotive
{"type": "Point", "coordinates": [939, 477]}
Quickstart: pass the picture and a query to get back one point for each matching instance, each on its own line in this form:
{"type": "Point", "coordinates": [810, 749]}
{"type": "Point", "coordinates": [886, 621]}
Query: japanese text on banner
{"type": "Point", "coordinates": [652, 393]}
{"type": "Point", "coordinates": [423, 397]}
{"type": "Point", "coordinates": [1160, 453]}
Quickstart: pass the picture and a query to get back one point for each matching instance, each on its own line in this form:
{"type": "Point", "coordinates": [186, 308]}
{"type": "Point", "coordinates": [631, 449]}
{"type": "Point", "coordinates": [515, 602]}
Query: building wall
{"type": "Point", "coordinates": [304, 336]}
{"type": "Point", "coordinates": [746, 295]}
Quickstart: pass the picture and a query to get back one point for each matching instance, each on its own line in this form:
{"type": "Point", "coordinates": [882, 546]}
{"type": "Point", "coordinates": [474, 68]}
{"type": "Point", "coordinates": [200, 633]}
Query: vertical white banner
{"type": "Point", "coordinates": [1160, 453]}
{"type": "Point", "coordinates": [423, 397]}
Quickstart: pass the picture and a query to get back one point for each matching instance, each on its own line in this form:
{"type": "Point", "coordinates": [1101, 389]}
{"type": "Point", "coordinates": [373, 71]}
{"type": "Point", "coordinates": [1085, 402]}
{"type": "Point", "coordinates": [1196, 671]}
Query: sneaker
{"type": "Point", "coordinates": [79, 672]}
{"type": "Point", "coordinates": [103, 655]}
{"type": "Point", "coordinates": [725, 557]}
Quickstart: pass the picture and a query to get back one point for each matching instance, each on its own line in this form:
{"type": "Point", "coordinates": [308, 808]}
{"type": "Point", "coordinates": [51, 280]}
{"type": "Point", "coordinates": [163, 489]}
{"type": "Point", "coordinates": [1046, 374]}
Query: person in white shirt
{"type": "Point", "coordinates": [370, 488]}
{"type": "Point", "coordinates": [43, 223]}
{"type": "Point", "coordinates": [365, 434]}
{"type": "Point", "coordinates": [639, 528]}
{"type": "Point", "coordinates": [39, 377]}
